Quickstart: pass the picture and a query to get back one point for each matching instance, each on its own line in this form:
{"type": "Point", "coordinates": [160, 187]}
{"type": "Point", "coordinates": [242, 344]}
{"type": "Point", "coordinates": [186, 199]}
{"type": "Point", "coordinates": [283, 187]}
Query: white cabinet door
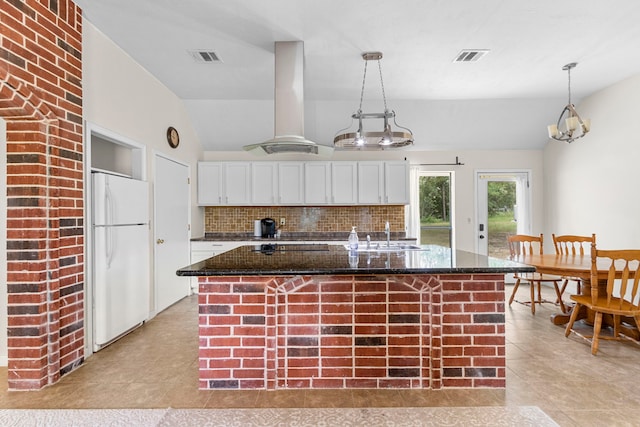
{"type": "Point", "coordinates": [237, 183]}
{"type": "Point", "coordinates": [370, 183]}
{"type": "Point", "coordinates": [291, 183]}
{"type": "Point", "coordinates": [264, 183]}
{"type": "Point", "coordinates": [203, 249]}
{"type": "Point", "coordinates": [396, 183]}
{"type": "Point", "coordinates": [317, 183]}
{"type": "Point", "coordinates": [344, 183]}
{"type": "Point", "coordinates": [210, 183]}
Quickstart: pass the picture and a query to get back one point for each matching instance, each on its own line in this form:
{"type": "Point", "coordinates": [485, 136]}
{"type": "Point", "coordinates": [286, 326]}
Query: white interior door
{"type": "Point", "coordinates": [490, 238]}
{"type": "Point", "coordinates": [172, 223]}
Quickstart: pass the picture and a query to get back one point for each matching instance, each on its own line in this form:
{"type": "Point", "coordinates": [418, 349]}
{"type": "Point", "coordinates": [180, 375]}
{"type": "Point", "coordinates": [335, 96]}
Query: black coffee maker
{"type": "Point", "coordinates": [268, 227]}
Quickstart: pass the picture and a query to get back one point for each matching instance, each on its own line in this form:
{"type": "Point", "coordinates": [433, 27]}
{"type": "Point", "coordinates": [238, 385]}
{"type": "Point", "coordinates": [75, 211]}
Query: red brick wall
{"type": "Point", "coordinates": [352, 332]}
{"type": "Point", "coordinates": [41, 101]}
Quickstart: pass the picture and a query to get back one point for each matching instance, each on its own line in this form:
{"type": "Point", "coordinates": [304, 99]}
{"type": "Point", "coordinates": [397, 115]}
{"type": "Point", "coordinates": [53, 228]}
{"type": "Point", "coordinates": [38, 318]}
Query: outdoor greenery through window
{"type": "Point", "coordinates": [501, 200]}
{"type": "Point", "coordinates": [435, 210]}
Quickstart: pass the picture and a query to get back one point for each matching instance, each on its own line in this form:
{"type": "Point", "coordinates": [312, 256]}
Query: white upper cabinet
{"type": "Point", "coordinates": [370, 183]}
{"type": "Point", "coordinates": [303, 183]}
{"type": "Point", "coordinates": [210, 183]}
{"type": "Point", "coordinates": [264, 183]}
{"type": "Point", "coordinates": [237, 183]}
{"type": "Point", "coordinates": [224, 183]}
{"type": "Point", "coordinates": [291, 183]}
{"type": "Point", "coordinates": [317, 183]}
{"type": "Point", "coordinates": [344, 183]}
{"type": "Point", "coordinates": [396, 183]}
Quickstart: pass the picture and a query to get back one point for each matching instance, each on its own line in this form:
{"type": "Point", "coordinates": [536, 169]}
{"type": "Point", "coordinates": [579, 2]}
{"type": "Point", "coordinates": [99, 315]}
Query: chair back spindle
{"type": "Point", "coordinates": [570, 244]}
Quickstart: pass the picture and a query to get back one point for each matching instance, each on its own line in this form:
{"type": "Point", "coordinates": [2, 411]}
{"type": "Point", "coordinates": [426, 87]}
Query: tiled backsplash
{"type": "Point", "coordinates": [305, 219]}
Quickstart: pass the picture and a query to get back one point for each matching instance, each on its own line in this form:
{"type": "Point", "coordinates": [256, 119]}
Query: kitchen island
{"type": "Point", "coordinates": [277, 316]}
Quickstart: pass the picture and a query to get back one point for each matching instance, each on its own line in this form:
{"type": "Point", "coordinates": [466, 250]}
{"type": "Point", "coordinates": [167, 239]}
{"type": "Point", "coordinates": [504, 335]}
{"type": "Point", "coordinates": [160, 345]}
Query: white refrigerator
{"type": "Point", "coordinates": [121, 279]}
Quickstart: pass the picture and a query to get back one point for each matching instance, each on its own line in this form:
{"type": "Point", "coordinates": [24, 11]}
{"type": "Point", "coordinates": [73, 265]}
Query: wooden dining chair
{"type": "Point", "coordinates": [522, 244]}
{"type": "Point", "coordinates": [623, 279]}
{"type": "Point", "coordinates": [572, 245]}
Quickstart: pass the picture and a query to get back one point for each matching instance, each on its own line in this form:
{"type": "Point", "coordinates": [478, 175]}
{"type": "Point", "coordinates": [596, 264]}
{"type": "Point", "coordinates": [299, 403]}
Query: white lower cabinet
{"type": "Point", "coordinates": [203, 249]}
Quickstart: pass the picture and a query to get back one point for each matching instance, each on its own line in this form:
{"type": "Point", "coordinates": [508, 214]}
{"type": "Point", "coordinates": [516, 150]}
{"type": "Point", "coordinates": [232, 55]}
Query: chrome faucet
{"type": "Point", "coordinates": [368, 241]}
{"type": "Point", "coordinates": [387, 231]}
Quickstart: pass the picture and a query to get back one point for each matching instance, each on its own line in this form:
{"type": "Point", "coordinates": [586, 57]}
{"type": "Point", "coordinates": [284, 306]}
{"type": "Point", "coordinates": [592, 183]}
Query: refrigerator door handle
{"type": "Point", "coordinates": [108, 242]}
{"type": "Point", "coordinates": [108, 217]}
{"type": "Point", "coordinates": [108, 205]}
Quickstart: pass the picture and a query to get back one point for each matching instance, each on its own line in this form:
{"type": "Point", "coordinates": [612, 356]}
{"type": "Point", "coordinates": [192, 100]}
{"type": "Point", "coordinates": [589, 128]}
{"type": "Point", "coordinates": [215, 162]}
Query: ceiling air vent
{"type": "Point", "coordinates": [470, 55]}
{"type": "Point", "coordinates": [205, 56]}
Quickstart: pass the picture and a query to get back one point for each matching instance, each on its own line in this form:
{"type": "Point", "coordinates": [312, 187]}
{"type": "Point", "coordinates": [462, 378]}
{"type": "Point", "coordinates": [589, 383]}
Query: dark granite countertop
{"type": "Point", "coordinates": [302, 236]}
{"type": "Point", "coordinates": [321, 259]}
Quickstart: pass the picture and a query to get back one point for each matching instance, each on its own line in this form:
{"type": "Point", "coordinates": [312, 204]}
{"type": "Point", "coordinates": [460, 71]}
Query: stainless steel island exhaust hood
{"type": "Point", "coordinates": [289, 106]}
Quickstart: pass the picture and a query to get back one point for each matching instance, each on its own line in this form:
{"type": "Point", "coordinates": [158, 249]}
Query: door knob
{"type": "Point", "coordinates": [160, 241]}
{"type": "Point", "coordinates": [481, 236]}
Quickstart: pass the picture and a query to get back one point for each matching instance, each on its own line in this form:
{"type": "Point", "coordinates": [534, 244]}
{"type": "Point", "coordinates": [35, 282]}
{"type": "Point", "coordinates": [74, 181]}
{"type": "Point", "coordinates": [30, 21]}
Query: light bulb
{"type": "Point", "coordinates": [572, 123]}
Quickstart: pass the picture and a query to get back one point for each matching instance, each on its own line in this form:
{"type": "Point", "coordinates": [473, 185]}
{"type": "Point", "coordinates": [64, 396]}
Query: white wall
{"type": "Point", "coordinates": [122, 97]}
{"type": "Point", "coordinates": [591, 185]}
{"type": "Point", "coordinates": [465, 197]}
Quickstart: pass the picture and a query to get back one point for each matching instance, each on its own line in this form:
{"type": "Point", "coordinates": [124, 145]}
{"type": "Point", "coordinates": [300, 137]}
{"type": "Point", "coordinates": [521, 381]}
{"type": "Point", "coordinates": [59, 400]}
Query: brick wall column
{"type": "Point", "coordinates": [41, 101]}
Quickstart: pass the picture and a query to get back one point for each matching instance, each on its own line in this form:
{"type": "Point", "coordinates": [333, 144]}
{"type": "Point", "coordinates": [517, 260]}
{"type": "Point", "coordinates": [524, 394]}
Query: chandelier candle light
{"type": "Point", "coordinates": [373, 140]}
{"type": "Point", "coordinates": [574, 126]}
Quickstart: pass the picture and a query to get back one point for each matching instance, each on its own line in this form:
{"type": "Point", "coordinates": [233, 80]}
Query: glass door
{"type": "Point", "coordinates": [503, 208]}
{"type": "Point", "coordinates": [434, 207]}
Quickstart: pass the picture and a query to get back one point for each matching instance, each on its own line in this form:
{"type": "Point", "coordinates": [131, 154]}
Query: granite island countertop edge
{"type": "Point", "coordinates": [247, 261]}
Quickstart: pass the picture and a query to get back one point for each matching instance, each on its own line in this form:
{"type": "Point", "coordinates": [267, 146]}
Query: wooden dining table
{"type": "Point", "coordinates": [578, 266]}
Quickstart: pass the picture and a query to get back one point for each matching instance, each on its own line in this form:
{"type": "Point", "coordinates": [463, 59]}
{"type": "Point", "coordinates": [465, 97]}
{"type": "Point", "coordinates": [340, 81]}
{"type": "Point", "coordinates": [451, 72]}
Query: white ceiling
{"type": "Point", "coordinates": [505, 100]}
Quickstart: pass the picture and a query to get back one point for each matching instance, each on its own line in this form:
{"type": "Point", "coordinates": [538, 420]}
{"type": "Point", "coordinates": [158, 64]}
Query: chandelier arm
{"type": "Point", "coordinates": [401, 127]}
{"type": "Point", "coordinates": [564, 110]}
{"type": "Point", "coordinates": [582, 123]}
{"type": "Point", "coordinates": [345, 129]}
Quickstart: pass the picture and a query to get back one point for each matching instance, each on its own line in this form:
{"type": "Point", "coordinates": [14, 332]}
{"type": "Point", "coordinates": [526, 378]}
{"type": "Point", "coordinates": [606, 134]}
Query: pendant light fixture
{"type": "Point", "coordinates": [364, 139]}
{"type": "Point", "coordinates": [574, 127]}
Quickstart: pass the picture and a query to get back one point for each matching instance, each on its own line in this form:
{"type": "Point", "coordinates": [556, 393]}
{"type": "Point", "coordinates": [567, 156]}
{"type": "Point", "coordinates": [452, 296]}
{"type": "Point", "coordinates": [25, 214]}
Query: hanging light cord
{"type": "Point", "coordinates": [384, 97]}
{"type": "Point", "coordinates": [569, 83]}
{"type": "Point", "coordinates": [364, 78]}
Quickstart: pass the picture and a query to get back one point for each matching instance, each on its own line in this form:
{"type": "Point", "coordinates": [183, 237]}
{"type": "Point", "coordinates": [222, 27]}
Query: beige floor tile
{"type": "Point", "coordinates": [233, 399]}
{"type": "Point", "coordinates": [328, 399]}
{"type": "Point", "coordinates": [156, 366]}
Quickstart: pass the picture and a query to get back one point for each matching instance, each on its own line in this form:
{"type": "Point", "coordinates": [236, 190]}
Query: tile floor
{"type": "Point", "coordinates": [156, 367]}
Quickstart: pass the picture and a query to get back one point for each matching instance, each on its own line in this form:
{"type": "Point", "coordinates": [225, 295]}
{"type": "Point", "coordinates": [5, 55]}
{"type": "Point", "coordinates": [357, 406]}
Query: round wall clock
{"type": "Point", "coordinates": [172, 137]}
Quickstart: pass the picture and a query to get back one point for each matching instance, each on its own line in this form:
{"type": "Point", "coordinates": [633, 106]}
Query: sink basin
{"type": "Point", "coordinates": [382, 247]}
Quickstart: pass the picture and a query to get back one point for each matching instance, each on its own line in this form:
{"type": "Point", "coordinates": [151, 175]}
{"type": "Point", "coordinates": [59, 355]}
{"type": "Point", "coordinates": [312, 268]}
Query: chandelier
{"type": "Point", "coordinates": [363, 139]}
{"type": "Point", "coordinates": [574, 126]}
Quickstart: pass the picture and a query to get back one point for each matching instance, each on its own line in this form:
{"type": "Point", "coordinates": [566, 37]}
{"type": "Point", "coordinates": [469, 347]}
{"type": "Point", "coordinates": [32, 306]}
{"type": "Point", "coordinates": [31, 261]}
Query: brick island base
{"type": "Point", "coordinates": [352, 331]}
